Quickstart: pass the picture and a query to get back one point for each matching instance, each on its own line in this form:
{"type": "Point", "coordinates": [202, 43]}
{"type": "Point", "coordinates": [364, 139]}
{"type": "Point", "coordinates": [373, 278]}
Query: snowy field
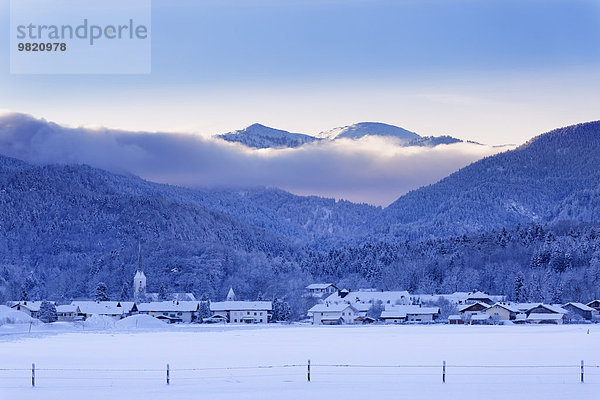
{"type": "Point", "coordinates": [130, 363]}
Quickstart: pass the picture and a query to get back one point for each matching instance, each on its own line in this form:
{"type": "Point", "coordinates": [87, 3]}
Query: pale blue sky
{"type": "Point", "coordinates": [497, 71]}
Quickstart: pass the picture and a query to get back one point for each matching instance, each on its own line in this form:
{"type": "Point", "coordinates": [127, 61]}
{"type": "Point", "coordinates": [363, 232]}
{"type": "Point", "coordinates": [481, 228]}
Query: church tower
{"type": "Point", "coordinates": [139, 280]}
{"type": "Point", "coordinates": [231, 295]}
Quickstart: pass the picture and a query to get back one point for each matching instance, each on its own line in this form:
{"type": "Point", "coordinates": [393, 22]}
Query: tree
{"type": "Point", "coordinates": [125, 292]}
{"type": "Point", "coordinates": [520, 290]}
{"type": "Point", "coordinates": [101, 292]}
{"type": "Point", "coordinates": [162, 293]}
{"type": "Point", "coordinates": [47, 312]}
{"type": "Point", "coordinates": [24, 294]}
{"type": "Point", "coordinates": [375, 310]}
{"type": "Point", "coordinates": [204, 308]}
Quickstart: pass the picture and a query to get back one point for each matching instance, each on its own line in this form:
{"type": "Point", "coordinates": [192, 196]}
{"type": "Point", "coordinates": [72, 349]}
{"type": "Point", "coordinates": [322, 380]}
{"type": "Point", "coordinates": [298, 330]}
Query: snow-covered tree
{"type": "Point", "coordinates": [101, 292]}
{"type": "Point", "coordinates": [47, 312]}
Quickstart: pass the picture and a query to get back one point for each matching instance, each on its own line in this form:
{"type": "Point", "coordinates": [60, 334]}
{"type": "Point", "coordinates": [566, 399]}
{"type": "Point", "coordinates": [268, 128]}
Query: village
{"type": "Point", "coordinates": [333, 307]}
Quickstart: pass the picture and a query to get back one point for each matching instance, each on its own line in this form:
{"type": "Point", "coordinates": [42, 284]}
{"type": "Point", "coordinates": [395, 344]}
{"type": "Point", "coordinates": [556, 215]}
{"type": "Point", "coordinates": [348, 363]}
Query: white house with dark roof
{"type": "Point", "coordinates": [321, 289]}
{"type": "Point", "coordinates": [409, 313]}
{"type": "Point", "coordinates": [333, 314]}
{"type": "Point", "coordinates": [249, 312]}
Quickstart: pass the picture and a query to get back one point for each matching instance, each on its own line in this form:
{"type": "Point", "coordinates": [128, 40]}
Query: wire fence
{"type": "Point", "coordinates": [36, 375]}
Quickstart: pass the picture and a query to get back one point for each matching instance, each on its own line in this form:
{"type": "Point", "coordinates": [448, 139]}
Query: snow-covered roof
{"type": "Point", "coordinates": [467, 306]}
{"type": "Point", "coordinates": [393, 314]}
{"type": "Point", "coordinates": [454, 317]}
{"type": "Point", "coordinates": [241, 306]}
{"type": "Point", "coordinates": [370, 297]}
{"type": "Point", "coordinates": [581, 306]}
{"type": "Point", "coordinates": [30, 305]}
{"type": "Point", "coordinates": [331, 307]}
{"type": "Point", "coordinates": [506, 306]}
{"type": "Point", "coordinates": [168, 306]}
{"type": "Point", "coordinates": [457, 297]}
{"type": "Point", "coordinates": [319, 286]}
{"type": "Point", "coordinates": [100, 307]}
{"type": "Point", "coordinates": [525, 306]}
{"type": "Point", "coordinates": [545, 316]}
{"type": "Point", "coordinates": [412, 309]}
{"type": "Point", "coordinates": [67, 308]}
{"type": "Point", "coordinates": [554, 308]}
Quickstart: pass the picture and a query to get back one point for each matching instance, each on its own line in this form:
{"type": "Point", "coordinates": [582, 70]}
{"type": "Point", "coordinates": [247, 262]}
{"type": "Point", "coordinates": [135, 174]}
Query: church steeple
{"type": "Point", "coordinates": [139, 267]}
{"type": "Point", "coordinates": [139, 280]}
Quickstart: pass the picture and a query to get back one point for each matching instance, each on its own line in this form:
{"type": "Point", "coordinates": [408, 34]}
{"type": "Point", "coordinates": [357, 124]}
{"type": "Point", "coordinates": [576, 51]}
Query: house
{"type": "Point", "coordinates": [113, 309]}
{"type": "Point", "coordinates": [370, 297]}
{"type": "Point", "coordinates": [480, 297]}
{"type": "Point", "coordinates": [595, 304]}
{"type": "Point", "coordinates": [580, 309]}
{"type": "Point", "coordinates": [546, 318]}
{"type": "Point", "coordinates": [171, 311]}
{"type": "Point", "coordinates": [460, 298]}
{"type": "Point", "coordinates": [409, 313]}
{"type": "Point", "coordinates": [480, 319]}
{"type": "Point", "coordinates": [249, 312]}
{"type": "Point", "coordinates": [502, 312]}
{"type": "Point", "coordinates": [31, 308]}
{"type": "Point", "coordinates": [468, 310]}
{"type": "Point", "coordinates": [68, 312]}
{"type": "Point", "coordinates": [320, 289]}
{"type": "Point", "coordinates": [455, 320]}
{"type": "Point", "coordinates": [542, 308]}
{"type": "Point", "coordinates": [333, 314]}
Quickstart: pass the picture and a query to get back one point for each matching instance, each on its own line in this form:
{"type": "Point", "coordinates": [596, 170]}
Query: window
{"type": "Point", "coordinates": [254, 313]}
{"type": "Point", "coordinates": [247, 312]}
{"type": "Point", "coordinates": [235, 320]}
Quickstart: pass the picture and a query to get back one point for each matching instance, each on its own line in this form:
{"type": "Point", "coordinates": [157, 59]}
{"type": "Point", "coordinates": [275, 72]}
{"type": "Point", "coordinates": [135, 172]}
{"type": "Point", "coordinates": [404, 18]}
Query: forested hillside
{"type": "Point", "coordinates": [526, 219]}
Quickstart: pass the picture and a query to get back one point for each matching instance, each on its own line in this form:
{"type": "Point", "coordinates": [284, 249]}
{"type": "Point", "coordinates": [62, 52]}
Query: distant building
{"type": "Point", "coordinates": [246, 312]}
{"type": "Point", "coordinates": [113, 309]}
{"type": "Point", "coordinates": [409, 313]}
{"type": "Point", "coordinates": [369, 297]}
{"type": "Point", "coordinates": [469, 310]}
{"type": "Point", "coordinates": [585, 312]}
{"type": "Point", "coordinates": [333, 314]}
{"type": "Point", "coordinates": [31, 308]}
{"type": "Point", "coordinates": [68, 312]}
{"type": "Point", "coordinates": [321, 289]}
{"type": "Point", "coordinates": [171, 311]}
{"type": "Point", "coordinates": [502, 312]}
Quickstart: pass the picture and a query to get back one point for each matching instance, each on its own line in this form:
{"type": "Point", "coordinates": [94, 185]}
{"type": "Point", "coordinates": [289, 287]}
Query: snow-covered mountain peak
{"type": "Point", "coordinates": [363, 129]}
{"type": "Point", "coordinates": [260, 136]}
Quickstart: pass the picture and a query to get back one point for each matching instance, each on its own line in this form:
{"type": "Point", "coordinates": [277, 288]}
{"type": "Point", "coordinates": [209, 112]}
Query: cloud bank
{"type": "Point", "coordinates": [372, 170]}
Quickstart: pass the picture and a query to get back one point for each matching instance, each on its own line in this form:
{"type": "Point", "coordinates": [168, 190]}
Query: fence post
{"type": "Point", "coordinates": [581, 371]}
{"type": "Point", "coordinates": [308, 373]}
{"type": "Point", "coordinates": [444, 372]}
{"type": "Point", "coordinates": [168, 375]}
{"type": "Point", "coordinates": [32, 374]}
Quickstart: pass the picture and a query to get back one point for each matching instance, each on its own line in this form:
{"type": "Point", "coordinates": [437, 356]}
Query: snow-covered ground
{"type": "Point", "coordinates": [209, 350]}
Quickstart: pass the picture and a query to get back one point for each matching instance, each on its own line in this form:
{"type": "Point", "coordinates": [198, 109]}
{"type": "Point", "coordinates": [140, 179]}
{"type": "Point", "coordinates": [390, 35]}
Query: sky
{"type": "Point", "coordinates": [493, 71]}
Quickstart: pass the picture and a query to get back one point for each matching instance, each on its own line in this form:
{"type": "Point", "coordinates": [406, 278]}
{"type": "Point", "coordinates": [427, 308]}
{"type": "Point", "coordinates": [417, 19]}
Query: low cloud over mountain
{"type": "Point", "coordinates": [373, 169]}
